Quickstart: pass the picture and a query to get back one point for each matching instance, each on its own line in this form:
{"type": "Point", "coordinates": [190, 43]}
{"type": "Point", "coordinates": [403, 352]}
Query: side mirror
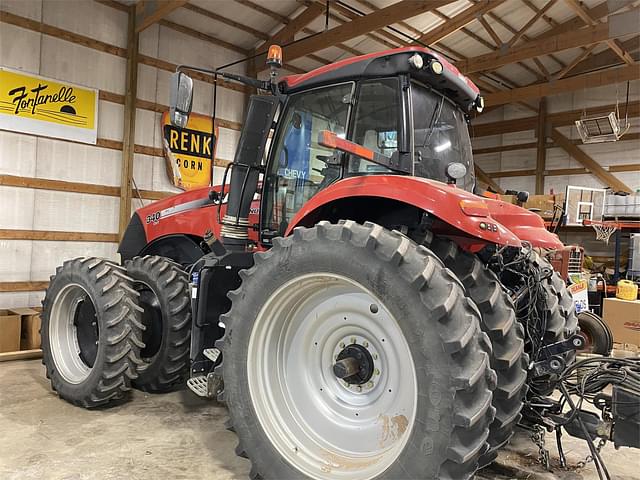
{"type": "Point", "coordinates": [180, 99]}
{"type": "Point", "coordinates": [455, 171]}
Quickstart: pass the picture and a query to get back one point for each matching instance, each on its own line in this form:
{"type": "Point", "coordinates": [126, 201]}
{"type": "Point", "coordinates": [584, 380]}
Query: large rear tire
{"type": "Point", "coordinates": [498, 321]}
{"type": "Point", "coordinates": [164, 296]}
{"type": "Point", "coordinates": [423, 407]}
{"type": "Point", "coordinates": [91, 332]}
{"type": "Point", "coordinates": [557, 307]}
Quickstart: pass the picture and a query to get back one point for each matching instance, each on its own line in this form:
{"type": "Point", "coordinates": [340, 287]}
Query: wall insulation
{"type": "Point", "coordinates": [45, 158]}
{"type": "Point", "coordinates": [607, 154]}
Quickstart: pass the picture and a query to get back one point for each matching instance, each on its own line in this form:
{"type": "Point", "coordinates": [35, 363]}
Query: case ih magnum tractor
{"type": "Point", "coordinates": [360, 310]}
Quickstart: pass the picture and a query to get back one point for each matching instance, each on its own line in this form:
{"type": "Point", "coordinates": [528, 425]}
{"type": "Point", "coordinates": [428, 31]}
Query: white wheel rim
{"type": "Point", "coordinates": [63, 337]}
{"type": "Point", "coordinates": [323, 427]}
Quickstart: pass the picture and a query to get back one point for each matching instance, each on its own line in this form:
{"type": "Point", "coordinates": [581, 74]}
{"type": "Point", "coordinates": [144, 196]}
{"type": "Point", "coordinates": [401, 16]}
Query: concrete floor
{"type": "Point", "coordinates": [177, 436]}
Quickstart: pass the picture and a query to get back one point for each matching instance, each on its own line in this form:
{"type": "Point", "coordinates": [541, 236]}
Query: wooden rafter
{"type": "Point", "coordinates": [571, 65]}
{"type": "Point", "coordinates": [529, 24]}
{"type": "Point", "coordinates": [485, 178]}
{"type": "Point", "coordinates": [593, 166]}
{"type": "Point", "coordinates": [227, 21]}
{"type": "Point", "coordinates": [557, 119]}
{"type": "Point", "coordinates": [203, 36]}
{"type": "Point", "coordinates": [459, 21]}
{"type": "Point", "coordinates": [579, 82]}
{"type": "Point", "coordinates": [613, 44]}
{"type": "Point", "coordinates": [149, 12]}
{"type": "Point", "coordinates": [607, 58]}
{"type": "Point", "coordinates": [381, 18]}
{"type": "Point", "coordinates": [619, 25]}
{"type": "Point", "coordinates": [492, 33]}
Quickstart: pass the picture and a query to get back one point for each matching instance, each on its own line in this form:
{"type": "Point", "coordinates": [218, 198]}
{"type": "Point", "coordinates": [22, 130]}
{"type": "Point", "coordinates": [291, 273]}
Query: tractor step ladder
{"type": "Point", "coordinates": [205, 386]}
{"type": "Point", "coordinates": [212, 354]}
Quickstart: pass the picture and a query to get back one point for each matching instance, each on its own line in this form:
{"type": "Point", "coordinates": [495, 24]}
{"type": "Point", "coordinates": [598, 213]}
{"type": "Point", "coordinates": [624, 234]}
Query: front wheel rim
{"type": "Point", "coordinates": [322, 425]}
{"type": "Point", "coordinates": [66, 343]}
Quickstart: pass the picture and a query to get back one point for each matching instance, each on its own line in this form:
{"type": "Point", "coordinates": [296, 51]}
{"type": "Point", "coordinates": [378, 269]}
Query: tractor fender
{"type": "Point", "coordinates": [436, 198]}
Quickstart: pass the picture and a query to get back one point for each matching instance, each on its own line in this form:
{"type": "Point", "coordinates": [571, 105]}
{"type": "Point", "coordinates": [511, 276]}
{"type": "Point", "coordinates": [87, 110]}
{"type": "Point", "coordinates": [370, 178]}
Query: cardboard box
{"type": "Point", "coordinates": [30, 328]}
{"type": "Point", "coordinates": [623, 318]}
{"type": "Point", "coordinates": [9, 331]}
{"type": "Point", "coordinates": [543, 204]}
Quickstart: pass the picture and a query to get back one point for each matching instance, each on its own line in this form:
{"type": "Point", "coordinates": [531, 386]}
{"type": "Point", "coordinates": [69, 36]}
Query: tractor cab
{"type": "Point", "coordinates": [398, 112]}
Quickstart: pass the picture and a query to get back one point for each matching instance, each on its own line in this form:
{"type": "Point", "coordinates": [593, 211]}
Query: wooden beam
{"type": "Point", "coordinates": [23, 286]}
{"type": "Point", "coordinates": [203, 36]}
{"type": "Point", "coordinates": [578, 58]}
{"type": "Point", "coordinates": [58, 185]}
{"type": "Point", "coordinates": [632, 167]}
{"type": "Point", "coordinates": [361, 25]}
{"type": "Point", "coordinates": [581, 82]}
{"type": "Point", "coordinates": [486, 179]}
{"type": "Point", "coordinates": [594, 167]}
{"type": "Point", "coordinates": [226, 21]}
{"type": "Point", "coordinates": [55, 32]}
{"type": "Point", "coordinates": [541, 147]}
{"type": "Point", "coordinates": [614, 45]}
{"type": "Point", "coordinates": [557, 119]}
{"type": "Point", "coordinates": [492, 33]}
{"type": "Point", "coordinates": [529, 24]}
{"type": "Point", "coordinates": [149, 12]}
{"type": "Point", "coordinates": [530, 145]}
{"type": "Point", "coordinates": [286, 34]}
{"type": "Point", "coordinates": [35, 26]}
{"type": "Point", "coordinates": [459, 21]}
{"type": "Point", "coordinates": [55, 236]}
{"type": "Point", "coordinates": [129, 132]}
{"type": "Point", "coordinates": [619, 25]}
{"type": "Point", "coordinates": [542, 68]}
{"type": "Point", "coordinates": [607, 58]}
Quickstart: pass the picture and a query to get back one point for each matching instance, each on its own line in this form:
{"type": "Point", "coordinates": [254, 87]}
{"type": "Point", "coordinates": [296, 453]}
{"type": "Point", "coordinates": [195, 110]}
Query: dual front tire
{"type": "Point", "coordinates": [107, 328]}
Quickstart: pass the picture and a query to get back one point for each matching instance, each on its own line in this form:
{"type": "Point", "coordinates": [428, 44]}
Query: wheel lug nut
{"type": "Point", "coordinates": [376, 371]}
{"type": "Point", "coordinates": [375, 356]}
{"type": "Point", "coordinates": [353, 339]}
{"type": "Point", "coordinates": [370, 385]}
{"type": "Point", "coordinates": [341, 344]}
{"type": "Point", "coordinates": [365, 344]}
{"type": "Point", "coordinates": [359, 388]}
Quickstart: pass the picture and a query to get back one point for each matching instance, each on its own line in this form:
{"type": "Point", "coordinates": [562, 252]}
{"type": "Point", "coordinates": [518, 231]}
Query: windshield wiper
{"type": "Point", "coordinates": [434, 118]}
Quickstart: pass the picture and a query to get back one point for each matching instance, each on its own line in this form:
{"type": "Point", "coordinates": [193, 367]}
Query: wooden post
{"type": "Point", "coordinates": [541, 157]}
{"type": "Point", "coordinates": [129, 133]}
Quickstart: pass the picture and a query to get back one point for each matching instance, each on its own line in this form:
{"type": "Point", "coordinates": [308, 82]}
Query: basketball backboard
{"type": "Point", "coordinates": [583, 203]}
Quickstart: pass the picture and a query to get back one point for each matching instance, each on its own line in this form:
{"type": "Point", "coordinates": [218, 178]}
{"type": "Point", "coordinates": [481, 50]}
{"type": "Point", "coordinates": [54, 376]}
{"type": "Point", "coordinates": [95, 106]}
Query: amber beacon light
{"type": "Point", "coordinates": [274, 56]}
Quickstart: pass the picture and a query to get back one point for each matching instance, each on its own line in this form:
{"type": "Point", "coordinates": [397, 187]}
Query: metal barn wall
{"type": "Point", "coordinates": [31, 157]}
{"type": "Point", "coordinates": [616, 153]}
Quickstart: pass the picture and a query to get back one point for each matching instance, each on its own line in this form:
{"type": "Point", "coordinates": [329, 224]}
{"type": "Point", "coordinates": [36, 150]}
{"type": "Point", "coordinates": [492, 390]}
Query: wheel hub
{"type": "Point", "coordinates": [354, 365]}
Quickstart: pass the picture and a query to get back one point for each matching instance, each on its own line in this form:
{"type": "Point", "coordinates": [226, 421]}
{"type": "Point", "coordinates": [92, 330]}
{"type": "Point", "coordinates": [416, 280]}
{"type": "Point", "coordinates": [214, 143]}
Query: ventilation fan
{"type": "Point", "coordinates": [603, 128]}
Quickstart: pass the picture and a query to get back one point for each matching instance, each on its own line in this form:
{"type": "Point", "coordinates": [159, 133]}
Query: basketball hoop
{"type": "Point", "coordinates": [603, 230]}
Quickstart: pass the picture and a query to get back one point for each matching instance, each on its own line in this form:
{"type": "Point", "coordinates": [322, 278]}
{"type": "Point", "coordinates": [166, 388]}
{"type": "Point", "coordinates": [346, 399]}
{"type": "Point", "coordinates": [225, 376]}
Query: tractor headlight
{"type": "Point", "coordinates": [416, 61]}
{"type": "Point", "coordinates": [436, 67]}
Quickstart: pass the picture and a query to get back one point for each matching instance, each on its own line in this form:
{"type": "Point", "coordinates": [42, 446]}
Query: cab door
{"type": "Point", "coordinates": [298, 166]}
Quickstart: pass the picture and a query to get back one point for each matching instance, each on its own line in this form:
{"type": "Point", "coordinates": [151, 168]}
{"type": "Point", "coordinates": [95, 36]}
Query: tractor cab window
{"type": "Point", "coordinates": [376, 123]}
{"type": "Point", "coordinates": [299, 166]}
{"type": "Point", "coordinates": [440, 136]}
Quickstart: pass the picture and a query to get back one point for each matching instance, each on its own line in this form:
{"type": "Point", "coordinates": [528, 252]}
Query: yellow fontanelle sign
{"type": "Point", "coordinates": [43, 106]}
{"type": "Point", "coordinates": [188, 151]}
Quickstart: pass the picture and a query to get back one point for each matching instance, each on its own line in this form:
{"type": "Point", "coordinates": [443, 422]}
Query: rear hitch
{"type": "Point", "coordinates": [553, 362]}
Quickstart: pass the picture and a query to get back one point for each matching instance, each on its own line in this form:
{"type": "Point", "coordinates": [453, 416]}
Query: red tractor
{"type": "Point", "coordinates": [359, 308]}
